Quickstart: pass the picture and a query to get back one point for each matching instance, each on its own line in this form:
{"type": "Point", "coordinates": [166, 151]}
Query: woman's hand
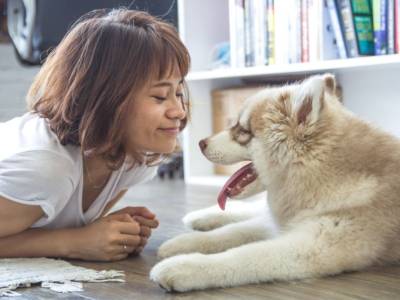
{"type": "Point", "coordinates": [146, 219]}
{"type": "Point", "coordinates": [109, 238]}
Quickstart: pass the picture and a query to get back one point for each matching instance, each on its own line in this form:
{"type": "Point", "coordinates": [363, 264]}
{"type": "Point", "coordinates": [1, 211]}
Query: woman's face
{"type": "Point", "coordinates": [156, 115]}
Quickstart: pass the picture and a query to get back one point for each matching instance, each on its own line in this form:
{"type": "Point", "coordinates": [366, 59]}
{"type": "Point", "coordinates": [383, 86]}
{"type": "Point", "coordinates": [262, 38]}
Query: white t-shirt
{"type": "Point", "coordinates": [35, 169]}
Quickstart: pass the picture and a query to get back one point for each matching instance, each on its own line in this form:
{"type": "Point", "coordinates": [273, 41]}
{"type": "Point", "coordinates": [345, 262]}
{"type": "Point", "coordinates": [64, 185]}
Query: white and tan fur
{"type": "Point", "coordinates": [333, 185]}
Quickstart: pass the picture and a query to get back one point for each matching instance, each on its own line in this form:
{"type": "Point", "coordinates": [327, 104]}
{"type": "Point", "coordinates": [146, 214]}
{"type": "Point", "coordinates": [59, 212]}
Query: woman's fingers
{"type": "Point", "coordinates": [130, 240]}
{"type": "Point", "coordinates": [143, 242]}
{"type": "Point", "coordinates": [141, 211]}
{"type": "Point", "coordinates": [152, 223]}
{"type": "Point", "coordinates": [145, 231]}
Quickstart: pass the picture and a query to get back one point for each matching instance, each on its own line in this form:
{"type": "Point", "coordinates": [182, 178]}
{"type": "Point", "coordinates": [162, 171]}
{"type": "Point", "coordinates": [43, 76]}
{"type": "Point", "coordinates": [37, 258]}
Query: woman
{"type": "Point", "coordinates": [105, 108]}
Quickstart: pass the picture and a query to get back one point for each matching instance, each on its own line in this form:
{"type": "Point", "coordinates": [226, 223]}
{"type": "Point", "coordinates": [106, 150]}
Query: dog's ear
{"type": "Point", "coordinates": [310, 99]}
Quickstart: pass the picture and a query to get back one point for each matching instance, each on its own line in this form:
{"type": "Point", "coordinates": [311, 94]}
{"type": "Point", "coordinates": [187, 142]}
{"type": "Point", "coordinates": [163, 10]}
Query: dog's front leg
{"type": "Point", "coordinates": [213, 217]}
{"type": "Point", "coordinates": [219, 239]}
{"type": "Point", "coordinates": [308, 252]}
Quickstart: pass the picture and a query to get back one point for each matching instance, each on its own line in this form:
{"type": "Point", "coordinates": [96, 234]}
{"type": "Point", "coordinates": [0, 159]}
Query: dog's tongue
{"type": "Point", "coordinates": [237, 177]}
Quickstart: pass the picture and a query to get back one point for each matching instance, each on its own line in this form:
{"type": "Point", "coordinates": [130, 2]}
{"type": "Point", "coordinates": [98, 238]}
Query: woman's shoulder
{"type": "Point", "coordinates": [30, 134]}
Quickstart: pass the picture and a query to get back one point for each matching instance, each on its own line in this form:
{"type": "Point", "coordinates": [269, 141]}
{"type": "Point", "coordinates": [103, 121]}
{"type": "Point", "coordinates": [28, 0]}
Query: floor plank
{"type": "Point", "coordinates": [171, 200]}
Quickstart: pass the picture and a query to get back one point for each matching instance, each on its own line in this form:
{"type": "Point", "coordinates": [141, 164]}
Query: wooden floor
{"type": "Point", "coordinates": [171, 200]}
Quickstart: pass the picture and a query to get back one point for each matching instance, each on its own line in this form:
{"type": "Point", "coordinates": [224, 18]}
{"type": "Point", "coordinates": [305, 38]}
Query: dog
{"type": "Point", "coordinates": [333, 195]}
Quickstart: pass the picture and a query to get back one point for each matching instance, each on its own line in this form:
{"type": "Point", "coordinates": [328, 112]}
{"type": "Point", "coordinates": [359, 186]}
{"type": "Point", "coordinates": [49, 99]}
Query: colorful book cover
{"type": "Point", "coordinates": [362, 17]}
{"type": "Point", "coordinates": [328, 44]}
{"type": "Point", "coordinates": [335, 23]}
{"type": "Point", "coordinates": [346, 21]}
{"type": "Point", "coordinates": [379, 13]}
{"type": "Point", "coordinates": [305, 55]}
{"type": "Point", "coordinates": [271, 31]}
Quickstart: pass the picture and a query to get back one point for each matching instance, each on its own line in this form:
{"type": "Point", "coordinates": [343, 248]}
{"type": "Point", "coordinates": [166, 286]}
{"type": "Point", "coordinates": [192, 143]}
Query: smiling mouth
{"type": "Point", "coordinates": [172, 130]}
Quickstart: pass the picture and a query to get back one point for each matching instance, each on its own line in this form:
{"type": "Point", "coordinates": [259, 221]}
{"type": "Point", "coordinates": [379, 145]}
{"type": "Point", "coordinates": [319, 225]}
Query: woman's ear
{"type": "Point", "coordinates": [310, 98]}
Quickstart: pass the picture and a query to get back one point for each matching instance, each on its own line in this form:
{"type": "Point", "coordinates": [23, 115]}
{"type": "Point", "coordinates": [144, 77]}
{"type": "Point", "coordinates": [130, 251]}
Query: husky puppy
{"type": "Point", "coordinates": [333, 203]}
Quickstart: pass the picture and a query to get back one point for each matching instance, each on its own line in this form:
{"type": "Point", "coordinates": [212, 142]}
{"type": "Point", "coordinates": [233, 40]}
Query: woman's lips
{"type": "Point", "coordinates": [173, 130]}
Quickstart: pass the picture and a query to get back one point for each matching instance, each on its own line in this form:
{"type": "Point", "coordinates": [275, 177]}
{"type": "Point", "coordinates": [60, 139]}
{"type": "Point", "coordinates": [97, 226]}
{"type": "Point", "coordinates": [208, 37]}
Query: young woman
{"type": "Point", "coordinates": [105, 108]}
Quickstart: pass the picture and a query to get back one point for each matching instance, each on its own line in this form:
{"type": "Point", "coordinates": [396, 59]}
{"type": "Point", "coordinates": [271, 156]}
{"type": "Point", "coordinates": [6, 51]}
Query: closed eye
{"type": "Point", "coordinates": [160, 98]}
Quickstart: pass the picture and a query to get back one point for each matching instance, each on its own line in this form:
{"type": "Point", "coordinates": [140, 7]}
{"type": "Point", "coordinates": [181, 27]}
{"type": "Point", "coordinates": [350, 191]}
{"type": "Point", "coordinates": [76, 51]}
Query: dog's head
{"type": "Point", "coordinates": [276, 128]}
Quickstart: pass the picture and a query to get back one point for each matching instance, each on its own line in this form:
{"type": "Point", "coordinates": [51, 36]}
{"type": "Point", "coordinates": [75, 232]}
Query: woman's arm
{"type": "Point", "coordinates": [108, 238]}
{"type": "Point", "coordinates": [16, 217]}
{"type": "Point", "coordinates": [39, 242]}
{"type": "Point", "coordinates": [17, 240]}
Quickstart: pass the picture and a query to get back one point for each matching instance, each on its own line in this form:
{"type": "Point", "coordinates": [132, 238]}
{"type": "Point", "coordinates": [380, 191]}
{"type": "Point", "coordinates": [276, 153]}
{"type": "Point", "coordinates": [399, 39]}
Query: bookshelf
{"type": "Point", "coordinates": [371, 85]}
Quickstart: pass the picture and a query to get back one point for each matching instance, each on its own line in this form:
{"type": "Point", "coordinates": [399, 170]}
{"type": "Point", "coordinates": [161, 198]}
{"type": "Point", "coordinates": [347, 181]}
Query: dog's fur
{"type": "Point", "coordinates": [333, 185]}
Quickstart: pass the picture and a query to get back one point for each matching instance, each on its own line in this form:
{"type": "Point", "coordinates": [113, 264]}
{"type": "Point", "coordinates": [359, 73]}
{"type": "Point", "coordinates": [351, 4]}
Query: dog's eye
{"type": "Point", "coordinates": [241, 135]}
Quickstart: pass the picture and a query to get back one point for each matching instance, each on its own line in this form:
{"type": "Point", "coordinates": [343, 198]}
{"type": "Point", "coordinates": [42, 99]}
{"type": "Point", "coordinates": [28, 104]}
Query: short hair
{"type": "Point", "coordinates": [83, 88]}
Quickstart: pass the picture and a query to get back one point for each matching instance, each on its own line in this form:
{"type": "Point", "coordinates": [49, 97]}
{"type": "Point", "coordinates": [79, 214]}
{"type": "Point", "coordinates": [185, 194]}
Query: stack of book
{"type": "Point", "coordinates": [265, 32]}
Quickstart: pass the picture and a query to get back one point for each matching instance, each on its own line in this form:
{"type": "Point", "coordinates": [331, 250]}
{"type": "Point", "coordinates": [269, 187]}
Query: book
{"type": "Point", "coordinates": [248, 33]}
{"type": "Point", "coordinates": [379, 13]}
{"type": "Point", "coordinates": [362, 18]}
{"type": "Point", "coordinates": [335, 23]}
{"type": "Point", "coordinates": [329, 48]}
{"type": "Point", "coordinates": [390, 26]}
{"type": "Point", "coordinates": [271, 32]}
{"type": "Point", "coordinates": [305, 53]}
{"type": "Point", "coordinates": [346, 22]}
{"type": "Point", "coordinates": [236, 33]}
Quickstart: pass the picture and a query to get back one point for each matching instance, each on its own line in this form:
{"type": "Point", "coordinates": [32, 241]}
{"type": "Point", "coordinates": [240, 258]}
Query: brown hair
{"type": "Point", "coordinates": [84, 87]}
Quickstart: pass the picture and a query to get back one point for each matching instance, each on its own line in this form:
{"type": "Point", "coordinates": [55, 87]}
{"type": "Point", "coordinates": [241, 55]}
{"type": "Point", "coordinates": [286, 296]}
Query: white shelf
{"type": "Point", "coordinates": [300, 68]}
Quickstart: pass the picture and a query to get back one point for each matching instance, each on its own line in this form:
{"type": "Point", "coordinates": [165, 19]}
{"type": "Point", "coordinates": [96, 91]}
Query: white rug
{"type": "Point", "coordinates": [55, 274]}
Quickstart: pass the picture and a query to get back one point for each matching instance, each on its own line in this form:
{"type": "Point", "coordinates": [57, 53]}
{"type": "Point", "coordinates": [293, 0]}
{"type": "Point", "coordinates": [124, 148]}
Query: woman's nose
{"type": "Point", "coordinates": [177, 111]}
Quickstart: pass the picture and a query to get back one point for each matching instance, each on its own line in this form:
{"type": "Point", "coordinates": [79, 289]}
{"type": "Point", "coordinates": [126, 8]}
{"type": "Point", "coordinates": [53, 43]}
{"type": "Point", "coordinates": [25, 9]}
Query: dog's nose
{"type": "Point", "coordinates": [203, 144]}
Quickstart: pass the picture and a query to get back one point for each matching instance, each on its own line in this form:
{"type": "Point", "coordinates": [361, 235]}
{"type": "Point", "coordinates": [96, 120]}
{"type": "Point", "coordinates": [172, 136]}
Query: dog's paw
{"type": "Point", "coordinates": [212, 217]}
{"type": "Point", "coordinates": [203, 221]}
{"type": "Point", "coordinates": [183, 244]}
{"type": "Point", "coordinates": [182, 273]}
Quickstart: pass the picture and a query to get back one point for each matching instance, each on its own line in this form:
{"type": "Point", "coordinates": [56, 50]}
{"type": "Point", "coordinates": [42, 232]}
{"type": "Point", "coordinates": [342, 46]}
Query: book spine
{"type": "Point", "coordinates": [390, 26]}
{"type": "Point", "coordinates": [334, 17]}
{"type": "Point", "coordinates": [305, 55]}
{"type": "Point", "coordinates": [380, 28]}
{"type": "Point", "coordinates": [362, 17]}
{"type": "Point", "coordinates": [271, 31]}
{"type": "Point", "coordinates": [281, 32]}
{"type": "Point", "coordinates": [294, 43]}
{"type": "Point", "coordinates": [328, 45]}
{"type": "Point", "coordinates": [347, 24]}
{"type": "Point", "coordinates": [313, 29]}
{"type": "Point", "coordinates": [232, 34]}
{"type": "Point", "coordinates": [259, 30]}
{"type": "Point", "coordinates": [240, 39]}
{"type": "Point", "coordinates": [249, 51]}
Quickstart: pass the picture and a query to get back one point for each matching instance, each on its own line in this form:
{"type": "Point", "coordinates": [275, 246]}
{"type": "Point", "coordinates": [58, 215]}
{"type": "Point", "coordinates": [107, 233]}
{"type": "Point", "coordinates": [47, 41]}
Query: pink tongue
{"type": "Point", "coordinates": [232, 181]}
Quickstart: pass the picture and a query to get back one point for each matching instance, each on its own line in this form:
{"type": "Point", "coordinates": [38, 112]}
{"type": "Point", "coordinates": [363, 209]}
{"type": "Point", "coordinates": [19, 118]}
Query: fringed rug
{"type": "Point", "coordinates": [55, 274]}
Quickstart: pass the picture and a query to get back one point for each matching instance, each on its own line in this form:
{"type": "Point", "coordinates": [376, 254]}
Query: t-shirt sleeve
{"type": "Point", "coordinates": [137, 175]}
{"type": "Point", "coordinates": [40, 177]}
